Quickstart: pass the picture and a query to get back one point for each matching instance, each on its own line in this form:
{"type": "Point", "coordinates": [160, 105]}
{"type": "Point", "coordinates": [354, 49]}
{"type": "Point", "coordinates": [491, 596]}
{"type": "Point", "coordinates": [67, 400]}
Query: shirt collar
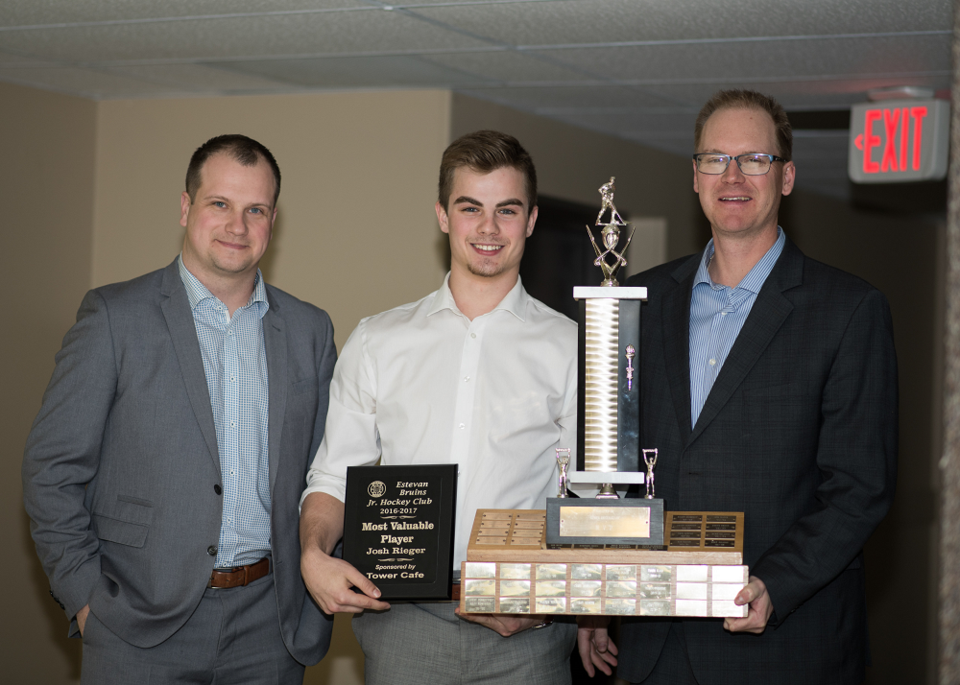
{"type": "Point", "coordinates": [197, 292]}
{"type": "Point", "coordinates": [754, 280]}
{"type": "Point", "coordinates": [514, 301]}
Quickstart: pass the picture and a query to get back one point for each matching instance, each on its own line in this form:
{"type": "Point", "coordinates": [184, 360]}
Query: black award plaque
{"type": "Point", "coordinates": [398, 528]}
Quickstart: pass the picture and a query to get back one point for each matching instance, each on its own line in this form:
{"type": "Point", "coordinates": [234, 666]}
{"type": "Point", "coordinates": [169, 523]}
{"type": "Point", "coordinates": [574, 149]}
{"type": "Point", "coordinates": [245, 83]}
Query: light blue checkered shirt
{"type": "Point", "coordinates": [235, 364]}
{"type": "Point", "coordinates": [717, 313]}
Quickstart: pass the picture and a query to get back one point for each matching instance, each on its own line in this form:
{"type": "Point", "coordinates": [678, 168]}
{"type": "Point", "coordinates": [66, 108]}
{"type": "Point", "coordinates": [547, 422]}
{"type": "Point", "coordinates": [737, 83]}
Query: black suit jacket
{"type": "Point", "coordinates": [799, 432]}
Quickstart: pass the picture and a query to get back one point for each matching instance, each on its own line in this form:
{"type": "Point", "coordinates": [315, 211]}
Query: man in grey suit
{"type": "Point", "coordinates": [163, 473]}
{"type": "Point", "coordinates": [769, 386]}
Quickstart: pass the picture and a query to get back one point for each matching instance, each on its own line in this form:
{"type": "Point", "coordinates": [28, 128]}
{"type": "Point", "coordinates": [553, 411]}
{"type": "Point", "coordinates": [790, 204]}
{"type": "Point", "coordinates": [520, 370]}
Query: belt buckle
{"type": "Point", "coordinates": [226, 571]}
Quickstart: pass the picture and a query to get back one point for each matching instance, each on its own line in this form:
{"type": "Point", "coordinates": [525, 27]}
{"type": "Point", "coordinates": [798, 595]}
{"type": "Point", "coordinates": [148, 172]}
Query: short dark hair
{"type": "Point", "coordinates": [486, 151]}
{"type": "Point", "coordinates": [245, 150]}
{"type": "Point", "coordinates": [748, 99]}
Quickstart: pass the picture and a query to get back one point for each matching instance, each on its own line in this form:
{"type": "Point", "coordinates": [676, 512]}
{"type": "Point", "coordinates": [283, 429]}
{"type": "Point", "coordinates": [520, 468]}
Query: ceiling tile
{"type": "Point", "coordinates": [773, 59]}
{"type": "Point", "coordinates": [12, 59]}
{"type": "Point", "coordinates": [242, 38]}
{"type": "Point", "coordinates": [633, 123]}
{"type": "Point", "coordinates": [355, 72]}
{"type": "Point", "coordinates": [199, 78]}
{"type": "Point", "coordinates": [637, 69]}
{"type": "Point", "coordinates": [795, 93]}
{"type": "Point", "coordinates": [607, 21]}
{"type": "Point", "coordinates": [59, 12]}
{"type": "Point", "coordinates": [546, 98]}
{"type": "Point", "coordinates": [508, 67]}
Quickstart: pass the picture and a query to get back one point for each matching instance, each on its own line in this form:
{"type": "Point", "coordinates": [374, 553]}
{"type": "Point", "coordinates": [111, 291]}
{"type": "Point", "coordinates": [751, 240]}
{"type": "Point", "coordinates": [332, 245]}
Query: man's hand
{"type": "Point", "coordinates": [330, 581]}
{"type": "Point", "coordinates": [503, 624]}
{"type": "Point", "coordinates": [596, 648]}
{"type": "Point", "coordinates": [755, 594]}
{"type": "Point", "coordinates": [82, 618]}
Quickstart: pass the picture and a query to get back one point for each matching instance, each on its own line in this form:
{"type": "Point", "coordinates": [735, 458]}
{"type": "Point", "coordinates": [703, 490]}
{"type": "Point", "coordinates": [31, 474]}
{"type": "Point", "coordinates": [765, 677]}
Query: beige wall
{"type": "Point", "coordinates": [355, 233]}
{"type": "Point", "coordinates": [46, 185]}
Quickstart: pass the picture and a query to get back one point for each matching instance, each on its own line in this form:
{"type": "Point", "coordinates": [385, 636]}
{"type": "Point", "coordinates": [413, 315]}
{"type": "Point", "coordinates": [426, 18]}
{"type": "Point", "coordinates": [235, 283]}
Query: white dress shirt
{"type": "Point", "coordinates": [422, 384]}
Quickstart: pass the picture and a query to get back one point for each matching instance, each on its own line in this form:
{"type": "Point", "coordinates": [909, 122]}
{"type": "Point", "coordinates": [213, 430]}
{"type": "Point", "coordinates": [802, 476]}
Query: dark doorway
{"type": "Point", "coordinates": [559, 255]}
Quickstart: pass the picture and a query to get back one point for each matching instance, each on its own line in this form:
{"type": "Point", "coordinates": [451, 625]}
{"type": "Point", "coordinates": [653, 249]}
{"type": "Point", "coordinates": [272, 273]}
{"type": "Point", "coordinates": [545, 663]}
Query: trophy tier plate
{"type": "Point", "coordinates": [510, 570]}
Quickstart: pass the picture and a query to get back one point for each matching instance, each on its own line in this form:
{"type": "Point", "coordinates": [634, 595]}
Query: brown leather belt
{"type": "Point", "coordinates": [240, 575]}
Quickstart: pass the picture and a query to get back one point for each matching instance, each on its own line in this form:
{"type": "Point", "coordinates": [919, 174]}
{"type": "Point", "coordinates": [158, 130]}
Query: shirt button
{"type": "Point", "coordinates": [212, 550]}
{"type": "Point", "coordinates": [473, 335]}
{"type": "Point", "coordinates": [217, 489]}
{"type": "Point", "coordinates": [723, 313]}
{"type": "Point", "coordinates": [713, 362]}
{"type": "Point", "coordinates": [462, 426]}
{"type": "Point", "coordinates": [233, 424]}
{"type": "Point", "coordinates": [466, 379]}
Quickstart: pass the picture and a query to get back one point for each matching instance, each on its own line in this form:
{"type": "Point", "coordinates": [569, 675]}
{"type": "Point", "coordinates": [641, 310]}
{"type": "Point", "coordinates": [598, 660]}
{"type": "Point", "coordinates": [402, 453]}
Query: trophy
{"type": "Point", "coordinates": [563, 461]}
{"type": "Point", "coordinates": [605, 555]}
{"type": "Point", "coordinates": [610, 234]}
{"type": "Point", "coordinates": [608, 452]}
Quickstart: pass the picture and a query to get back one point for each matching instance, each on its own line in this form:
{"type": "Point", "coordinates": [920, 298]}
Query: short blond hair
{"type": "Point", "coordinates": [748, 99]}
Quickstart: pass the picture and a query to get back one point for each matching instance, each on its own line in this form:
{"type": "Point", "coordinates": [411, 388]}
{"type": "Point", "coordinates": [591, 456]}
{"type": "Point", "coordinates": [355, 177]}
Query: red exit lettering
{"type": "Point", "coordinates": [895, 121]}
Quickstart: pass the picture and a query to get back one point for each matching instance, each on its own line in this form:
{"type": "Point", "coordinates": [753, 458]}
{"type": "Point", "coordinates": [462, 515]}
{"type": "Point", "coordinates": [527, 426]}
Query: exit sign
{"type": "Point", "coordinates": [899, 140]}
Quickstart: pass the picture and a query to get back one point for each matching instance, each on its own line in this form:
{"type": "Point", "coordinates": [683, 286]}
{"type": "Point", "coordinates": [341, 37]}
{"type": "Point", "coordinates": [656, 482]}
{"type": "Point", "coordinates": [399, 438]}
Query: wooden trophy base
{"type": "Point", "coordinates": [509, 569]}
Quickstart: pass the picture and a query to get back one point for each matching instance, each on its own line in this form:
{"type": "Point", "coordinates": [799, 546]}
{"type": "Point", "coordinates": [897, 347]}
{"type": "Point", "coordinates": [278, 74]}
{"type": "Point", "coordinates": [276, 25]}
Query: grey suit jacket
{"type": "Point", "coordinates": [800, 433]}
{"type": "Point", "coordinates": [121, 465]}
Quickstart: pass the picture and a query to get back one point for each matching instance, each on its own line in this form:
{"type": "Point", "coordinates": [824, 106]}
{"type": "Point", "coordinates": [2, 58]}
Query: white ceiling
{"type": "Point", "coordinates": [637, 69]}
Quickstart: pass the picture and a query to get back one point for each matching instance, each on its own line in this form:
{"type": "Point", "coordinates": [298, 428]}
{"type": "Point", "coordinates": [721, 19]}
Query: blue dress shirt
{"type": "Point", "coordinates": [717, 313]}
{"type": "Point", "coordinates": [235, 364]}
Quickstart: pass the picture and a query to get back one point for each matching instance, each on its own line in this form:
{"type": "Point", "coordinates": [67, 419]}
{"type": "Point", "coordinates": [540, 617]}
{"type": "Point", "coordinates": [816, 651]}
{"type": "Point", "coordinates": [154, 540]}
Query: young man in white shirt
{"type": "Point", "coordinates": [479, 374]}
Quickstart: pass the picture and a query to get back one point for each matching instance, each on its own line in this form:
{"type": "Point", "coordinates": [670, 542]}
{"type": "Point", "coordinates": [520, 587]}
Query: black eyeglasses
{"type": "Point", "coordinates": [753, 164]}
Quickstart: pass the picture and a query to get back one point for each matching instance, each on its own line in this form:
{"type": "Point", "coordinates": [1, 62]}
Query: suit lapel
{"type": "Point", "coordinates": [767, 315]}
{"type": "Point", "coordinates": [675, 315]}
{"type": "Point", "coordinates": [183, 333]}
{"type": "Point", "coordinates": [275, 343]}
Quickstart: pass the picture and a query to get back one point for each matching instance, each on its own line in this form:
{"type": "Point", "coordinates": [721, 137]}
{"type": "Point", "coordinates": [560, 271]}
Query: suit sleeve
{"type": "Point", "coordinates": [856, 459]}
{"type": "Point", "coordinates": [325, 365]}
{"type": "Point", "coordinates": [63, 453]}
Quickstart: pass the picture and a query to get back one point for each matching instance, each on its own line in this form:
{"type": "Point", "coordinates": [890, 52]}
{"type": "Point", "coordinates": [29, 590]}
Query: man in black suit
{"type": "Point", "coordinates": [769, 386]}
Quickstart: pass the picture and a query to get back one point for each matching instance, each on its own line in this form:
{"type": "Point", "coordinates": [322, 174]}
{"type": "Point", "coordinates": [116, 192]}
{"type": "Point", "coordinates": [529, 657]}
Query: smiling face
{"type": "Point", "coordinates": [736, 204]}
{"type": "Point", "coordinates": [488, 221]}
{"type": "Point", "coordinates": [229, 222]}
